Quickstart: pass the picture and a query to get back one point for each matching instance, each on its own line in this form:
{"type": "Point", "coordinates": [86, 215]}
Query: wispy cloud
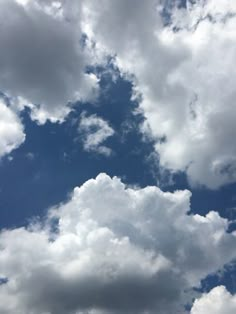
{"type": "Point", "coordinates": [94, 131]}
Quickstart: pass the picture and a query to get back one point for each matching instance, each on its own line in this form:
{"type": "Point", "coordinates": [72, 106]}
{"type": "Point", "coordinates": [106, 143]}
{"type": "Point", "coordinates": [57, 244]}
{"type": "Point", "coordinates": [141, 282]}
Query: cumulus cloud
{"type": "Point", "coordinates": [182, 70]}
{"type": "Point", "coordinates": [94, 132]}
{"type": "Point", "coordinates": [184, 74]}
{"type": "Point", "coordinates": [114, 250]}
{"type": "Point", "coordinates": [217, 301]}
{"type": "Point", "coordinates": [42, 58]}
{"type": "Point", "coordinates": [11, 130]}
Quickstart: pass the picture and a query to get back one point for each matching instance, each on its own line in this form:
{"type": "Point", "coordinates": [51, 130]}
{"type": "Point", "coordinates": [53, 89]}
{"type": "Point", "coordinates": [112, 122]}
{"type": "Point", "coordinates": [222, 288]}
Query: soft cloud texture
{"type": "Point", "coordinates": [42, 58]}
{"type": "Point", "coordinates": [115, 250]}
{"type": "Point", "coordinates": [11, 130]}
{"type": "Point", "coordinates": [94, 132]}
{"type": "Point", "coordinates": [109, 248]}
{"type": "Point", "coordinates": [183, 72]}
{"type": "Point", "coordinates": [217, 301]}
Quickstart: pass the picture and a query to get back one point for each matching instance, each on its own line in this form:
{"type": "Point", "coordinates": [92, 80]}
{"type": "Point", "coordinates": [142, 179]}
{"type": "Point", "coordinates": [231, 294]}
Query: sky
{"type": "Point", "coordinates": [117, 157]}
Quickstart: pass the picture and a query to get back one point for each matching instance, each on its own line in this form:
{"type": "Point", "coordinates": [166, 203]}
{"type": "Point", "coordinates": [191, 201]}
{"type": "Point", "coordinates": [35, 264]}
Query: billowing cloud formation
{"type": "Point", "coordinates": [182, 70]}
{"type": "Point", "coordinates": [115, 250]}
{"type": "Point", "coordinates": [184, 74]}
{"type": "Point", "coordinates": [217, 301]}
{"type": "Point", "coordinates": [42, 60]}
{"type": "Point", "coordinates": [11, 130]}
{"type": "Point", "coordinates": [94, 132]}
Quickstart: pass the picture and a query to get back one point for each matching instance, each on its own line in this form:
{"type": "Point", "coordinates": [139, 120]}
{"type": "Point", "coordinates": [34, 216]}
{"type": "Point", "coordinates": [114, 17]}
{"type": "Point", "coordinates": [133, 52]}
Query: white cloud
{"type": "Point", "coordinates": [41, 59]}
{"type": "Point", "coordinates": [185, 77]}
{"type": "Point", "coordinates": [116, 250]}
{"type": "Point", "coordinates": [94, 132]}
{"type": "Point", "coordinates": [217, 301]}
{"type": "Point", "coordinates": [11, 130]}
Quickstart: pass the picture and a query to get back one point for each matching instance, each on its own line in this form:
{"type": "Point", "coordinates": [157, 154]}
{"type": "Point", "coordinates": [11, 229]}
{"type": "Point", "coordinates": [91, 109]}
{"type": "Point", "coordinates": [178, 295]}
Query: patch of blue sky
{"type": "Point", "coordinates": [52, 161]}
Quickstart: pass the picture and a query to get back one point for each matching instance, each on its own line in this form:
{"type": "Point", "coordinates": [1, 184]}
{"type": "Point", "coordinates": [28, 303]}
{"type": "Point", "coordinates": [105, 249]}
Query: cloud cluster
{"type": "Point", "coordinates": [178, 59]}
{"type": "Point", "coordinates": [114, 250]}
{"type": "Point", "coordinates": [11, 130]}
{"type": "Point", "coordinates": [217, 301]}
{"type": "Point", "coordinates": [42, 57]}
{"type": "Point", "coordinates": [111, 248]}
{"type": "Point", "coordinates": [94, 132]}
{"type": "Point", "coordinates": [183, 72]}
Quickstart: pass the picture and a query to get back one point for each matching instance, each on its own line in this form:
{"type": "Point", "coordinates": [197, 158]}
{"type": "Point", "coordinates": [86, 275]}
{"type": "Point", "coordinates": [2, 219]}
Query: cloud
{"type": "Point", "coordinates": [94, 132]}
{"type": "Point", "coordinates": [182, 71]}
{"type": "Point", "coordinates": [114, 250]}
{"type": "Point", "coordinates": [42, 58]}
{"type": "Point", "coordinates": [11, 130]}
{"type": "Point", "coordinates": [217, 301]}
{"type": "Point", "coordinates": [184, 74]}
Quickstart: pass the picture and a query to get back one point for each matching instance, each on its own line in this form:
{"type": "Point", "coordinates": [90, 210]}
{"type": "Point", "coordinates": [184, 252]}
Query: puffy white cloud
{"type": "Point", "coordinates": [42, 60]}
{"type": "Point", "coordinates": [217, 301]}
{"type": "Point", "coordinates": [184, 74]}
{"type": "Point", "coordinates": [11, 130]}
{"type": "Point", "coordinates": [94, 132]}
{"type": "Point", "coordinates": [183, 71]}
{"type": "Point", "coordinates": [115, 250]}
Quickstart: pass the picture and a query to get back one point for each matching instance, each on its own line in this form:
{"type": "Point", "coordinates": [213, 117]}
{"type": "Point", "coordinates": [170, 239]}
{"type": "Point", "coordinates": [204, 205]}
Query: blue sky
{"type": "Point", "coordinates": [51, 162]}
{"type": "Point", "coordinates": [105, 125]}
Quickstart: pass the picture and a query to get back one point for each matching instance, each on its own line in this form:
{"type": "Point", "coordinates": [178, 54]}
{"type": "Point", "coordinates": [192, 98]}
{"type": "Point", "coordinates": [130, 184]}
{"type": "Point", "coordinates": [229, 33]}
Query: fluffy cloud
{"type": "Point", "coordinates": [217, 301]}
{"type": "Point", "coordinates": [184, 74]}
{"type": "Point", "coordinates": [114, 250]}
{"type": "Point", "coordinates": [94, 132]}
{"type": "Point", "coordinates": [182, 71]}
{"type": "Point", "coordinates": [42, 58]}
{"type": "Point", "coordinates": [11, 130]}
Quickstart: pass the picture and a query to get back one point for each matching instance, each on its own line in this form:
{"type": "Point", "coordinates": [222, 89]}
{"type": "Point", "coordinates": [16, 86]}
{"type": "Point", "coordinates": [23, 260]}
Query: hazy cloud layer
{"type": "Point", "coordinates": [116, 250]}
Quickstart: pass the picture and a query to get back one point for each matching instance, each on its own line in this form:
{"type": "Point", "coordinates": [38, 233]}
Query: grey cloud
{"type": "Point", "coordinates": [41, 60]}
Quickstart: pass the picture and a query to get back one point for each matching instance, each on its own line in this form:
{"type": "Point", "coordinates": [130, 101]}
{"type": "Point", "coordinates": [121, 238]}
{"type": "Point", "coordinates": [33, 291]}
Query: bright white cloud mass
{"type": "Point", "coordinates": [11, 130]}
{"type": "Point", "coordinates": [111, 248]}
{"type": "Point", "coordinates": [185, 77]}
{"type": "Point", "coordinates": [116, 250]}
{"type": "Point", "coordinates": [217, 301]}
